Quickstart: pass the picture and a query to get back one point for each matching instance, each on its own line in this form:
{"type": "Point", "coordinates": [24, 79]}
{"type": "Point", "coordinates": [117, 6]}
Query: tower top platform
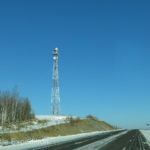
{"type": "Point", "coordinates": [55, 54]}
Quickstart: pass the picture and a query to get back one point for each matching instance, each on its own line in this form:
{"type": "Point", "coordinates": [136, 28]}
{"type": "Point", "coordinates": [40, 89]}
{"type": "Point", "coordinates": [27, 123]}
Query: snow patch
{"type": "Point", "coordinates": [49, 117]}
{"type": "Point", "coordinates": [146, 134]}
{"type": "Point", "coordinates": [51, 120]}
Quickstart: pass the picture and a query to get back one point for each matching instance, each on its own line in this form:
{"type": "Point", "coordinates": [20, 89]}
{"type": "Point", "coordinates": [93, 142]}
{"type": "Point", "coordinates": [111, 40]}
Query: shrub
{"type": "Point", "coordinates": [42, 121]}
{"type": "Point", "coordinates": [72, 120]}
{"type": "Point", "coordinates": [92, 117]}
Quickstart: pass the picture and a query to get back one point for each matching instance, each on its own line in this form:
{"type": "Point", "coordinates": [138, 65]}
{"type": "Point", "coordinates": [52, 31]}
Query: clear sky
{"type": "Point", "coordinates": [104, 61]}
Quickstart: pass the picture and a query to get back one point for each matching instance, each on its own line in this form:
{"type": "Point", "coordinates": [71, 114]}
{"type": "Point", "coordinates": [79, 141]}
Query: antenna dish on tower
{"type": "Point", "coordinates": [56, 49]}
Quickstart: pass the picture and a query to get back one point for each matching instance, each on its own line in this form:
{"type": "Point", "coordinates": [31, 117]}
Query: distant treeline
{"type": "Point", "coordinates": [14, 108]}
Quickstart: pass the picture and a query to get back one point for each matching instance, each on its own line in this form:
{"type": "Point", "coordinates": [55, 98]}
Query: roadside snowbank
{"type": "Point", "coordinates": [50, 141]}
{"type": "Point", "coordinates": [146, 133]}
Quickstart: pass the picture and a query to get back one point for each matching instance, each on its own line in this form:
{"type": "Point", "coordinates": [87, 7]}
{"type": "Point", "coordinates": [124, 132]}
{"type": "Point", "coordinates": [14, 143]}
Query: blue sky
{"type": "Point", "coordinates": [104, 61]}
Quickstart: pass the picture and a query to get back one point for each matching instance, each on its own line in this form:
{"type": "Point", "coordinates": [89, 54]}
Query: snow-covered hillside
{"type": "Point", "coordinates": [28, 126]}
{"type": "Point", "coordinates": [67, 128]}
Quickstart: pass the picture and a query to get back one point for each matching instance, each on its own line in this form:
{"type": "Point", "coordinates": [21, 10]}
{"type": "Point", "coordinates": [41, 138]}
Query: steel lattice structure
{"type": "Point", "coordinates": [55, 97]}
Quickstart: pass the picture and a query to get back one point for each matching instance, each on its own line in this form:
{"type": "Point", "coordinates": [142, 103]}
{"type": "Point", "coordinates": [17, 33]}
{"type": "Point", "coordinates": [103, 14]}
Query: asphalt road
{"type": "Point", "coordinates": [71, 145]}
{"type": "Point", "coordinates": [132, 140]}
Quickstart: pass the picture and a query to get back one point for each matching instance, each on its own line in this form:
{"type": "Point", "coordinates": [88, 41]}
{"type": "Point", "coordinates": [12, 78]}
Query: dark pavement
{"type": "Point", "coordinates": [73, 144]}
{"type": "Point", "coordinates": [132, 140]}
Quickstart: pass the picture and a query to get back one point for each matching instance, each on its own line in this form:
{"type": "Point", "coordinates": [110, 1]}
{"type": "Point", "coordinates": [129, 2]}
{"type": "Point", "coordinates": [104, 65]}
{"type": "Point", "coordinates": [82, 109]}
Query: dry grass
{"type": "Point", "coordinates": [42, 121]}
{"type": "Point", "coordinates": [73, 127]}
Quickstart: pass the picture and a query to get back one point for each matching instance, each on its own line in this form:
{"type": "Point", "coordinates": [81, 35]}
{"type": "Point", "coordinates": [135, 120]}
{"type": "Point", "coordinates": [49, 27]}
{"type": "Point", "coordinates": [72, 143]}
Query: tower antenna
{"type": "Point", "coordinates": [55, 97]}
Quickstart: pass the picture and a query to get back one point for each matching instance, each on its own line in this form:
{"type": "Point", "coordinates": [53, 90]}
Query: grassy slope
{"type": "Point", "coordinates": [75, 127]}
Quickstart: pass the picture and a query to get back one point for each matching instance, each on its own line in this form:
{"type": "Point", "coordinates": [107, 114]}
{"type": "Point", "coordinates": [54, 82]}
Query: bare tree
{"type": "Point", "coordinates": [14, 108]}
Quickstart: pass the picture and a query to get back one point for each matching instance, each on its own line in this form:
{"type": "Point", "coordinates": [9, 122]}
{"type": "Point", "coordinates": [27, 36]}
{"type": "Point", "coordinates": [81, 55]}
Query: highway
{"type": "Point", "coordinates": [131, 140]}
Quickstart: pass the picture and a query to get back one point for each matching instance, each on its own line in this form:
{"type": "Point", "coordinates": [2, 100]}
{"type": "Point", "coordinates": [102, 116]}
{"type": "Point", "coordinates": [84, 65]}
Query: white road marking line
{"type": "Point", "coordinates": [124, 148]}
{"type": "Point", "coordinates": [142, 144]}
{"type": "Point", "coordinates": [81, 142]}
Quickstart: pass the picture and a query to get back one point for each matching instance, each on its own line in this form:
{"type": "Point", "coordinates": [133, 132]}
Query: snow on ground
{"type": "Point", "coordinates": [146, 133]}
{"type": "Point", "coordinates": [50, 141]}
{"type": "Point", "coordinates": [51, 120]}
{"type": "Point", "coordinates": [49, 117]}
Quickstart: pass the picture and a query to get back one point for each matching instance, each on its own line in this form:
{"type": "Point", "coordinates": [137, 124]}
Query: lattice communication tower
{"type": "Point", "coordinates": [55, 96]}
